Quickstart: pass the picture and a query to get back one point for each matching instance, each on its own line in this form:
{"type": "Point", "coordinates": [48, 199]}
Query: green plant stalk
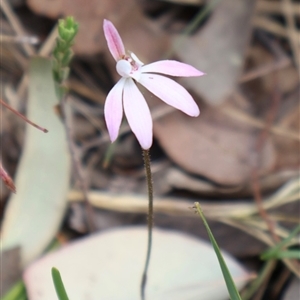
{"type": "Point", "coordinates": [62, 53]}
{"type": "Point", "coordinates": [147, 162]}
{"type": "Point", "coordinates": [232, 290]}
{"type": "Point", "coordinates": [58, 284]}
{"type": "Point", "coordinates": [62, 56]}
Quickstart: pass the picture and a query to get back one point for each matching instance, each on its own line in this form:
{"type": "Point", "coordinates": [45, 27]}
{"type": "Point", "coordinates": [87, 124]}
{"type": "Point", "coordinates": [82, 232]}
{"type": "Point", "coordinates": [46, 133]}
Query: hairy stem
{"type": "Point", "coordinates": [146, 156]}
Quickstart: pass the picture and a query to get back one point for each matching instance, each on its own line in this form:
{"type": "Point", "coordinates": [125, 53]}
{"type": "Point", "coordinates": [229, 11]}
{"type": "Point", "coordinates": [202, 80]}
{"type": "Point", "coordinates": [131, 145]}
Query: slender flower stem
{"type": "Point", "coordinates": [146, 156]}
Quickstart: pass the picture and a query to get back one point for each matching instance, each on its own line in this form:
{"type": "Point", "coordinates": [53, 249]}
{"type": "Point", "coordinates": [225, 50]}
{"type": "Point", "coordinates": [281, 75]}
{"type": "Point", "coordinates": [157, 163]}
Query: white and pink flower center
{"type": "Point", "coordinates": [129, 66]}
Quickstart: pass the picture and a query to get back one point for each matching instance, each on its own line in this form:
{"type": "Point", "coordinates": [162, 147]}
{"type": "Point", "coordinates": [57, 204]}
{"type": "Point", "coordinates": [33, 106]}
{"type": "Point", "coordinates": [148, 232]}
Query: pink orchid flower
{"type": "Point", "coordinates": [125, 92]}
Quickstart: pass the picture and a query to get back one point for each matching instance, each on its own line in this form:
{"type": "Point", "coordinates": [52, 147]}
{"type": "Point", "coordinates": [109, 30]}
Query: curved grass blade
{"type": "Point", "coordinates": [232, 290]}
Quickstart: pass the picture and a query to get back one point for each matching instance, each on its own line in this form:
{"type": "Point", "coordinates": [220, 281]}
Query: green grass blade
{"type": "Point", "coordinates": [17, 292]}
{"type": "Point", "coordinates": [291, 254]}
{"type": "Point", "coordinates": [232, 290]}
{"type": "Point", "coordinates": [59, 286]}
{"type": "Point", "coordinates": [275, 251]}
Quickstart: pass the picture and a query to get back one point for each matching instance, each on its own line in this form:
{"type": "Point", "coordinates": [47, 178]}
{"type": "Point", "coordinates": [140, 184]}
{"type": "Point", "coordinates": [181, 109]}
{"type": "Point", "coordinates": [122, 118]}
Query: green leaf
{"type": "Point", "coordinates": [232, 290]}
{"type": "Point", "coordinates": [33, 215]}
{"type": "Point", "coordinates": [17, 292]}
{"type": "Point", "coordinates": [59, 285]}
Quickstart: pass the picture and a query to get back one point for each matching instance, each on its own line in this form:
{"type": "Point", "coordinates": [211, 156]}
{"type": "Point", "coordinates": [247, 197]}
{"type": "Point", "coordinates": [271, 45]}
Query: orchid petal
{"type": "Point", "coordinates": [114, 41]}
{"type": "Point", "coordinates": [113, 109]}
{"type": "Point", "coordinates": [138, 114]}
{"type": "Point", "coordinates": [170, 92]}
{"type": "Point", "coordinates": [136, 59]}
{"type": "Point", "coordinates": [173, 68]}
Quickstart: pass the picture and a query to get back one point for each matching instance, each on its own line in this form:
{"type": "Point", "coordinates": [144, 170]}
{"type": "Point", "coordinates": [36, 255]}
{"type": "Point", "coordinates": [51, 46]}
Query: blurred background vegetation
{"type": "Point", "coordinates": [239, 159]}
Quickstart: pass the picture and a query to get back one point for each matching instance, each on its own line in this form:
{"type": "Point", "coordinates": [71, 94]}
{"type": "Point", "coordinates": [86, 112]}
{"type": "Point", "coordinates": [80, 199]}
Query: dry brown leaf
{"type": "Point", "coordinates": [176, 178]}
{"type": "Point", "coordinates": [138, 34]}
{"type": "Point", "coordinates": [288, 150]}
{"type": "Point", "coordinates": [218, 49]}
{"type": "Point", "coordinates": [288, 77]}
{"type": "Point", "coordinates": [214, 146]}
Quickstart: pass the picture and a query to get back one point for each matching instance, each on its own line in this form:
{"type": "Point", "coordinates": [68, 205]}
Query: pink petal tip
{"type": "Point", "coordinates": [114, 41]}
